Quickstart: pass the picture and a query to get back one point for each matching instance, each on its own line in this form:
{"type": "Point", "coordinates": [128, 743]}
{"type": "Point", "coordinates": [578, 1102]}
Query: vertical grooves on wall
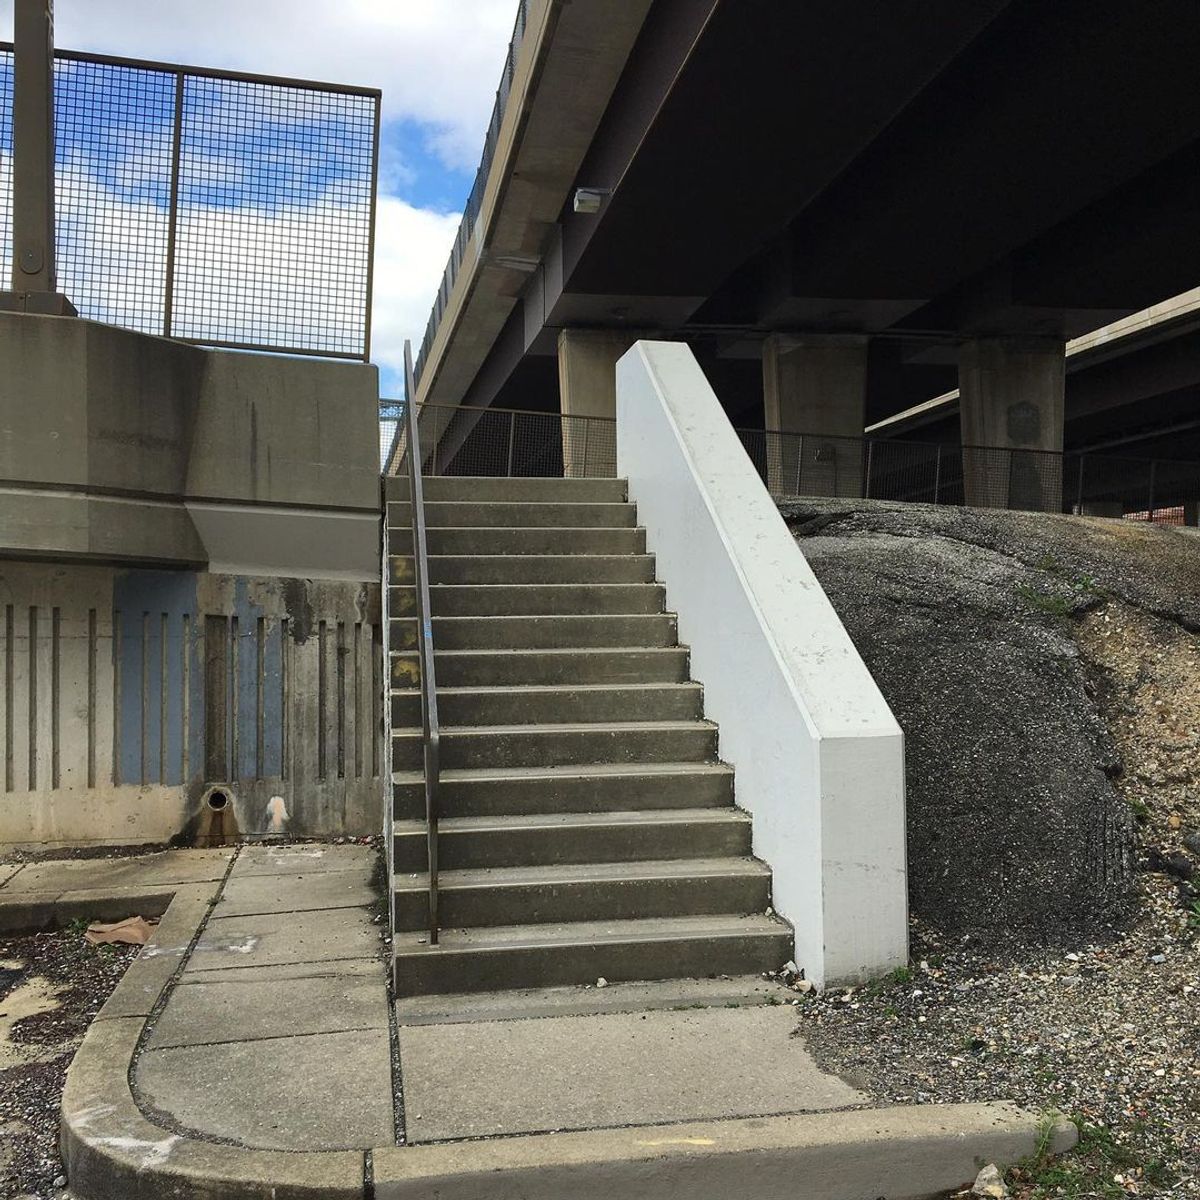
{"type": "Point", "coordinates": [9, 670]}
{"type": "Point", "coordinates": [341, 699]}
{"type": "Point", "coordinates": [260, 681]}
{"type": "Point", "coordinates": [185, 711]}
{"type": "Point", "coordinates": [55, 695]}
{"type": "Point", "coordinates": [163, 693]}
{"type": "Point", "coordinates": [235, 678]}
{"type": "Point", "coordinates": [145, 753]}
{"type": "Point", "coordinates": [376, 696]}
{"type": "Point", "coordinates": [116, 697]}
{"type": "Point", "coordinates": [33, 697]}
{"type": "Point", "coordinates": [91, 699]}
{"type": "Point", "coordinates": [285, 654]}
{"type": "Point", "coordinates": [358, 705]}
{"type": "Point", "coordinates": [322, 688]}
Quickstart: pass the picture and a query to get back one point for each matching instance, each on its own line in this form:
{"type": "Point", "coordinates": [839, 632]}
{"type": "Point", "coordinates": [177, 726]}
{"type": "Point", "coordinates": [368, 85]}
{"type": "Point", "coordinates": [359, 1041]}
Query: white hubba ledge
{"type": "Point", "coordinates": [818, 754]}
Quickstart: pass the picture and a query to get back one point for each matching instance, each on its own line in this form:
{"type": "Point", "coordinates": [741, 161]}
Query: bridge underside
{"type": "Point", "coordinates": [953, 192]}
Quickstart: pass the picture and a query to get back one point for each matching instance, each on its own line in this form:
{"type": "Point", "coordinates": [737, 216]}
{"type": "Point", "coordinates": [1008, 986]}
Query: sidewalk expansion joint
{"type": "Point", "coordinates": [153, 1115]}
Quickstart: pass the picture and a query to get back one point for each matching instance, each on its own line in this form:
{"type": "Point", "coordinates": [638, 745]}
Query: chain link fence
{"type": "Point", "coordinates": [209, 206]}
{"type": "Point", "coordinates": [508, 442]}
{"type": "Point", "coordinates": [500, 441]}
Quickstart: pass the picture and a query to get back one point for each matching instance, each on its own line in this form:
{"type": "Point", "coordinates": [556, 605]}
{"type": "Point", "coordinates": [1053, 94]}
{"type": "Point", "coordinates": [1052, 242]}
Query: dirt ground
{"type": "Point", "coordinates": [51, 986]}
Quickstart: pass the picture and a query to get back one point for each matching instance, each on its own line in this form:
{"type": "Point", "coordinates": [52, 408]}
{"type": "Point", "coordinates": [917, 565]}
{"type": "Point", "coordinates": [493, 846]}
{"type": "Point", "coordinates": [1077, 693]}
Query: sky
{"type": "Point", "coordinates": [437, 62]}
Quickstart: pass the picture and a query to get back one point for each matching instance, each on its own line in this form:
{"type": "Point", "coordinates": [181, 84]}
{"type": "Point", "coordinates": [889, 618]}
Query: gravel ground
{"type": "Point", "coordinates": [1102, 1026]}
{"type": "Point", "coordinates": [38, 1048]}
{"type": "Point", "coordinates": [1108, 1035]}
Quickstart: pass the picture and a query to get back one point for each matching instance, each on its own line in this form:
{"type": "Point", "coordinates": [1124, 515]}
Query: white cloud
{"type": "Point", "coordinates": [112, 253]}
{"type": "Point", "coordinates": [411, 249]}
{"type": "Point", "coordinates": [437, 61]}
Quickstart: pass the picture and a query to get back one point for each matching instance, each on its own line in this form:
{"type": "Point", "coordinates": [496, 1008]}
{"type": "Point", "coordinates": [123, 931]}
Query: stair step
{"type": "Point", "coordinates": [528, 568]}
{"type": "Point", "coordinates": [475, 842]}
{"type": "Point", "coordinates": [475, 514]}
{"type": "Point", "coordinates": [532, 599]}
{"type": "Point", "coordinates": [585, 892]}
{"type": "Point", "coordinates": [627, 540]}
{"type": "Point", "coordinates": [594, 664]}
{"type": "Point", "coordinates": [547, 490]}
{"type": "Point", "coordinates": [595, 787]}
{"type": "Point", "coordinates": [545, 632]}
{"type": "Point", "coordinates": [481, 960]}
{"type": "Point", "coordinates": [542, 705]}
{"type": "Point", "coordinates": [561, 745]}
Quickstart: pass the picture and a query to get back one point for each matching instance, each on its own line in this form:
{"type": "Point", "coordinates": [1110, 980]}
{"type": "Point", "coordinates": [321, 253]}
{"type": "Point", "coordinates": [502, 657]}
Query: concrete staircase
{"type": "Point", "coordinates": [587, 827]}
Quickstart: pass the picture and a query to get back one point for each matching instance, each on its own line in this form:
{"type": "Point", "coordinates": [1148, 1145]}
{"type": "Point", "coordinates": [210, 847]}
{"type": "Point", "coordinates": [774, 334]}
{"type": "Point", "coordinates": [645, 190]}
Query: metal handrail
{"type": "Point", "coordinates": [429, 712]}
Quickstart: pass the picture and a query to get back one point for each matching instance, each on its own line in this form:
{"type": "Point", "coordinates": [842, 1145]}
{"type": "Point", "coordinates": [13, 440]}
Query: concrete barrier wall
{"type": "Point", "coordinates": [125, 694]}
{"type": "Point", "coordinates": [818, 755]}
{"type": "Point", "coordinates": [120, 446]}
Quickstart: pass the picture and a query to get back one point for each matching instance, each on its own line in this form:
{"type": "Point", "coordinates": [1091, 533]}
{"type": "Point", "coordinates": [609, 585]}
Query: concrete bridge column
{"type": "Point", "coordinates": [815, 386]}
{"type": "Point", "coordinates": [1011, 401]}
{"type": "Point", "coordinates": [587, 386]}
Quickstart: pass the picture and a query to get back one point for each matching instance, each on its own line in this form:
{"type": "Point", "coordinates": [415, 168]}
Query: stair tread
{"type": "Point", "coordinates": [586, 770]}
{"type": "Point", "coordinates": [664, 929]}
{"type": "Point", "coordinates": [532, 689]}
{"type": "Point", "coordinates": [407, 528]}
{"type": "Point", "coordinates": [729, 815]}
{"type": "Point", "coordinates": [572, 727]}
{"type": "Point", "coordinates": [603, 616]}
{"type": "Point", "coordinates": [509, 652]}
{"type": "Point", "coordinates": [672, 868]}
{"type": "Point", "coordinates": [641, 558]}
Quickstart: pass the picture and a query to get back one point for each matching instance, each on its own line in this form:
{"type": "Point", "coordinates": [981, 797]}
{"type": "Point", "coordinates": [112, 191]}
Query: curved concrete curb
{"type": "Point", "coordinates": [900, 1153]}
{"type": "Point", "coordinates": [113, 1152]}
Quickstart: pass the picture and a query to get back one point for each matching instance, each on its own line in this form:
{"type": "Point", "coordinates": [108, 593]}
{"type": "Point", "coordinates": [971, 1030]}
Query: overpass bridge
{"type": "Point", "coordinates": [846, 210]}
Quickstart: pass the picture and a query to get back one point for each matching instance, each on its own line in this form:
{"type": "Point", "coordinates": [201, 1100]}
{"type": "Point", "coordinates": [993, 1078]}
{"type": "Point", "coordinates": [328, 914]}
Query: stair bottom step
{"type": "Point", "coordinates": [525, 956]}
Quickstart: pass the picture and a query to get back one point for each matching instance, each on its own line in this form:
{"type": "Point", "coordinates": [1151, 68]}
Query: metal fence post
{"type": "Point", "coordinates": [34, 273]}
{"type": "Point", "coordinates": [937, 476]}
{"type": "Point", "coordinates": [1079, 487]}
{"type": "Point", "coordinates": [173, 209]}
{"type": "Point", "coordinates": [1153, 481]}
{"type": "Point", "coordinates": [512, 433]}
{"type": "Point", "coordinates": [870, 455]}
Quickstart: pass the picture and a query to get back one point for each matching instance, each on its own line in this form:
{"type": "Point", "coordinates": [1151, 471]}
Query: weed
{"type": "Point", "coordinates": [1051, 603]}
{"type": "Point", "coordinates": [1141, 810]}
{"type": "Point", "coordinates": [1090, 1169]}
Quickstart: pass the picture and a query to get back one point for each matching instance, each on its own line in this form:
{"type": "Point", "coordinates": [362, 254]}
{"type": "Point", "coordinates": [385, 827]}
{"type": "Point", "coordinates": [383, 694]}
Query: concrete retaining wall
{"type": "Point", "coordinates": [119, 446]}
{"type": "Point", "coordinates": [819, 756]}
{"type": "Point", "coordinates": [124, 694]}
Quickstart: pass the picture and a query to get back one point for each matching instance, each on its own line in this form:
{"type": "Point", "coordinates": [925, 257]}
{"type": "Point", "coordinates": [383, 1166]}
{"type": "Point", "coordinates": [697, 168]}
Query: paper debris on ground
{"type": "Point", "coordinates": [133, 931]}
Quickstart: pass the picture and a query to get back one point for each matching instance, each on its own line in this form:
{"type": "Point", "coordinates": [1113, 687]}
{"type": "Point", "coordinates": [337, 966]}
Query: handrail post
{"type": "Point", "coordinates": [425, 656]}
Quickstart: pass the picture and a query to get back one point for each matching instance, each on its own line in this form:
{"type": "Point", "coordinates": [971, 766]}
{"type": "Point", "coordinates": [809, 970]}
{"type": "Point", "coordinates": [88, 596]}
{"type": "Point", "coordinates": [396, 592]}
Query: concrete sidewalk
{"type": "Point", "coordinates": [250, 1051]}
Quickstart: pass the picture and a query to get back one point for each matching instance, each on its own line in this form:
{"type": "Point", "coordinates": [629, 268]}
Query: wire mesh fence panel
{"type": "Point", "coordinates": [113, 134]}
{"type": "Point", "coordinates": [209, 206]}
{"type": "Point", "coordinates": [6, 180]}
{"type": "Point", "coordinates": [275, 188]}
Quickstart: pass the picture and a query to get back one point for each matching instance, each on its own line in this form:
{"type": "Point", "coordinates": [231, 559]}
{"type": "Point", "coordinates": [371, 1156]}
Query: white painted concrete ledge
{"type": "Point", "coordinates": [818, 754]}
